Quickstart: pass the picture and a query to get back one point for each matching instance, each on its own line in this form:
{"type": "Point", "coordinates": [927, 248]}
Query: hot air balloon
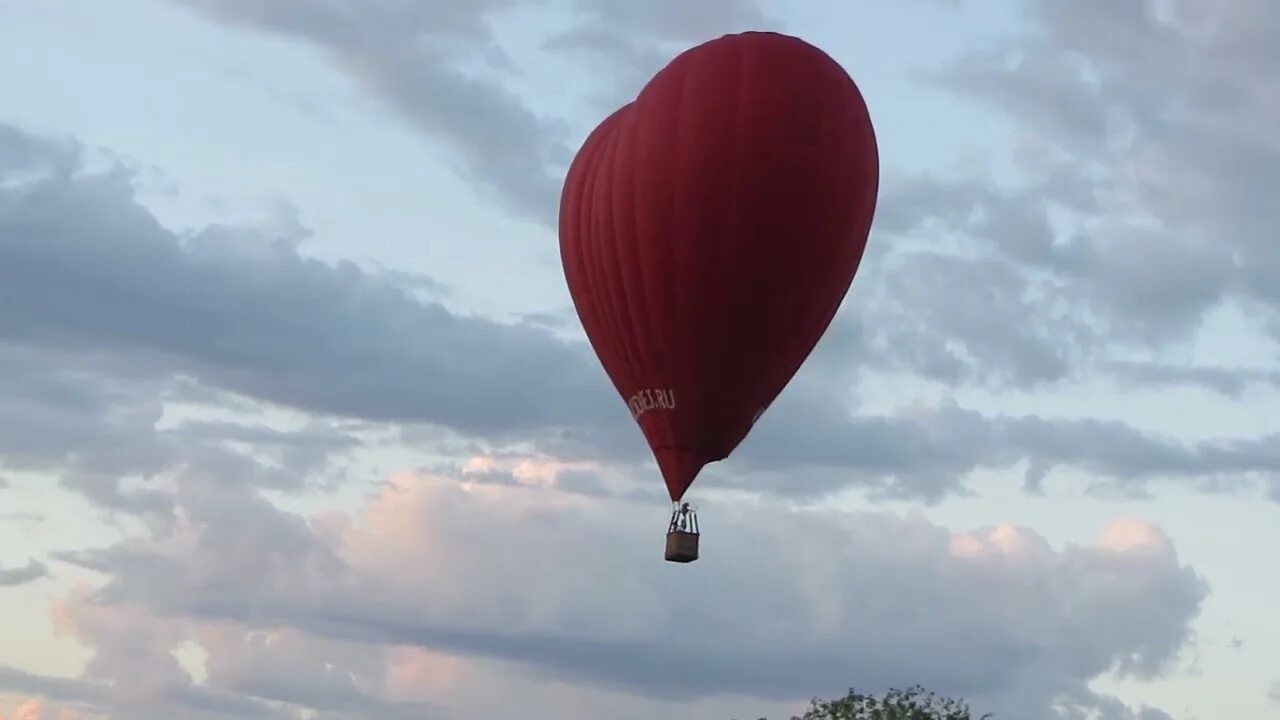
{"type": "Point", "coordinates": [709, 231]}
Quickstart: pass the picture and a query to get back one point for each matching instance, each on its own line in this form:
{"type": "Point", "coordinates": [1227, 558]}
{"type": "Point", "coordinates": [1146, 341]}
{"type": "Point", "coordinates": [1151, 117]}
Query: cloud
{"type": "Point", "coordinates": [29, 573]}
{"type": "Point", "coordinates": [252, 315]}
{"type": "Point", "coordinates": [927, 452]}
{"type": "Point", "coordinates": [513, 573]}
{"type": "Point", "coordinates": [634, 40]}
{"type": "Point", "coordinates": [68, 691]}
{"type": "Point", "coordinates": [981, 305]}
{"type": "Point", "coordinates": [98, 699]}
{"type": "Point", "coordinates": [227, 313]}
{"type": "Point", "coordinates": [22, 517]}
{"type": "Point", "coordinates": [91, 420]}
{"type": "Point", "coordinates": [421, 59]}
{"type": "Point", "coordinates": [1130, 215]}
{"type": "Point", "coordinates": [135, 670]}
{"type": "Point", "coordinates": [40, 709]}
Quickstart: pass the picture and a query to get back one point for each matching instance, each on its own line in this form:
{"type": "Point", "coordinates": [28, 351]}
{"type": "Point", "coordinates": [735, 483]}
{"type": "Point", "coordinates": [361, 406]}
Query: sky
{"type": "Point", "coordinates": [296, 420]}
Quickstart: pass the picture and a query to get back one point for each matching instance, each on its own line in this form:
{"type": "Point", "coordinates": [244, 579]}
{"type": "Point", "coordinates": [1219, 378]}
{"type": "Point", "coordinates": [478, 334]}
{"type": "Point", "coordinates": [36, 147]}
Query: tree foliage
{"type": "Point", "coordinates": [913, 703]}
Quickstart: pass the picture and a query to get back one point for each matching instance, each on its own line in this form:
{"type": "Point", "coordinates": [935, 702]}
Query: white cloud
{"type": "Point", "coordinates": [573, 589]}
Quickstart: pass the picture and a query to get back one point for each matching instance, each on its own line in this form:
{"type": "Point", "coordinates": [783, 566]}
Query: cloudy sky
{"type": "Point", "coordinates": [296, 420]}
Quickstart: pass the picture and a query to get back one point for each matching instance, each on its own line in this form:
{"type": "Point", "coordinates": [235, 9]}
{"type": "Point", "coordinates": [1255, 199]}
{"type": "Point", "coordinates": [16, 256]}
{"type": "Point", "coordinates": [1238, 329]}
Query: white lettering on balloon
{"type": "Point", "coordinates": [651, 399]}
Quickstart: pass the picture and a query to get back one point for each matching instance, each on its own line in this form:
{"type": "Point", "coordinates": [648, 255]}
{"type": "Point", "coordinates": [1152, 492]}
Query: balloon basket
{"type": "Point", "coordinates": [682, 535]}
{"type": "Point", "coordinates": [682, 547]}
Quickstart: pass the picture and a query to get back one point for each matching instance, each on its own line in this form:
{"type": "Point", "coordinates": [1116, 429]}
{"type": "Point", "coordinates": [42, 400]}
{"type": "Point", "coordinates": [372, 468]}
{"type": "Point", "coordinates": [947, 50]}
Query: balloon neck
{"type": "Point", "coordinates": [679, 466]}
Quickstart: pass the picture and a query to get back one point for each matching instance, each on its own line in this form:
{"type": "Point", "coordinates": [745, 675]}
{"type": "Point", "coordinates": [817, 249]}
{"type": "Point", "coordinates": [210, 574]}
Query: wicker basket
{"type": "Point", "coordinates": [682, 546]}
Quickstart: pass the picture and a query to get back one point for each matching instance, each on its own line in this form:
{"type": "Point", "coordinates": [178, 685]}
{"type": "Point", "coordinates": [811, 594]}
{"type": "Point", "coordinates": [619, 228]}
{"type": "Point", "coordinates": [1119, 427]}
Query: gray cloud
{"type": "Point", "coordinates": [29, 573]}
{"type": "Point", "coordinates": [1230, 381]}
{"type": "Point", "coordinates": [56, 415]}
{"type": "Point", "coordinates": [13, 680]}
{"type": "Point", "coordinates": [250, 314]}
{"type": "Point", "coordinates": [96, 697]}
{"type": "Point", "coordinates": [236, 311]}
{"type": "Point", "coordinates": [419, 59]}
{"type": "Point", "coordinates": [963, 319]}
{"type": "Point", "coordinates": [93, 422]}
{"type": "Point", "coordinates": [305, 453]}
{"type": "Point", "coordinates": [1012, 303]}
{"type": "Point", "coordinates": [928, 452]}
{"type": "Point", "coordinates": [634, 40]}
{"type": "Point", "coordinates": [1139, 132]}
{"type": "Point", "coordinates": [899, 600]}
{"type": "Point", "coordinates": [271, 674]}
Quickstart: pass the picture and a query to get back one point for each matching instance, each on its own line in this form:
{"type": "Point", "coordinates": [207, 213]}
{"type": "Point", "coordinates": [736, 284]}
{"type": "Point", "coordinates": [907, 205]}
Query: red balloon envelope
{"type": "Point", "coordinates": [709, 231]}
